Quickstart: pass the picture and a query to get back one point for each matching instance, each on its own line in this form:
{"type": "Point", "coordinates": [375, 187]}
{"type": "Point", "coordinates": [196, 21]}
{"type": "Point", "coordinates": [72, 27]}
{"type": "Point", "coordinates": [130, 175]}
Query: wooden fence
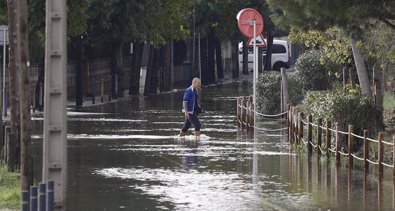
{"type": "Point", "coordinates": [327, 141]}
{"type": "Point", "coordinates": [328, 138]}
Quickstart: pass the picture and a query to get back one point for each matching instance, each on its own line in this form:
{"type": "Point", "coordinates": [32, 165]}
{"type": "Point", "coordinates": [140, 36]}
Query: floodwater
{"type": "Point", "coordinates": [124, 156]}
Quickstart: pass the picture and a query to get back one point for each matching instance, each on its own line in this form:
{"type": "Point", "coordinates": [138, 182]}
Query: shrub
{"type": "Point", "coordinates": [315, 73]}
{"type": "Point", "coordinates": [344, 108]}
{"type": "Point", "coordinates": [269, 92]}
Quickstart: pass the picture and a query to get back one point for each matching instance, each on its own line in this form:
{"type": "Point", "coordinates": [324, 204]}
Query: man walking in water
{"type": "Point", "coordinates": [191, 108]}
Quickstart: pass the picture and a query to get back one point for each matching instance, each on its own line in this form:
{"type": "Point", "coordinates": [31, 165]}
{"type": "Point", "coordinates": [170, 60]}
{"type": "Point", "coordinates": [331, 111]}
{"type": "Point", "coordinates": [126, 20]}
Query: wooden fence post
{"type": "Point", "coordinates": [393, 156]}
{"type": "Point", "coordinates": [309, 135]}
{"type": "Point", "coordinates": [366, 149]}
{"type": "Point", "coordinates": [300, 130]}
{"type": "Point", "coordinates": [295, 118]}
{"type": "Point", "coordinates": [338, 145]}
{"type": "Point", "coordinates": [328, 137]}
{"type": "Point", "coordinates": [350, 145]}
{"type": "Point", "coordinates": [319, 137]}
{"type": "Point", "coordinates": [381, 153]}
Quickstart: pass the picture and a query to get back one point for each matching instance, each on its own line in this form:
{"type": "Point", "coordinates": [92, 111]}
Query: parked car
{"type": "Point", "coordinates": [280, 55]}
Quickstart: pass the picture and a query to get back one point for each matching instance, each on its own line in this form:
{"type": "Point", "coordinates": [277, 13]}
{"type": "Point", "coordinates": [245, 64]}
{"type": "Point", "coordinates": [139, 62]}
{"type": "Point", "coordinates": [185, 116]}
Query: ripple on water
{"type": "Point", "coordinates": [195, 190]}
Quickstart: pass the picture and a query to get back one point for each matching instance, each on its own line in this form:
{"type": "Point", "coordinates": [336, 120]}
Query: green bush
{"type": "Point", "coordinates": [344, 108]}
{"type": "Point", "coordinates": [315, 73]}
{"type": "Point", "coordinates": [269, 92]}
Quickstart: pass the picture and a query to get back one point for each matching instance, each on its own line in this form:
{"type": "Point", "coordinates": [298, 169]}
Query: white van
{"type": "Point", "coordinates": [280, 55]}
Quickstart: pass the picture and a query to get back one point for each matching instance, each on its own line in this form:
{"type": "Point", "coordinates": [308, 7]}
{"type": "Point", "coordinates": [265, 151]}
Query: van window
{"type": "Point", "coordinates": [277, 48]}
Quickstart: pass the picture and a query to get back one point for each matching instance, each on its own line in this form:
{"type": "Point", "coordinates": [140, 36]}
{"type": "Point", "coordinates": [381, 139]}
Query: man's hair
{"type": "Point", "coordinates": [195, 80]}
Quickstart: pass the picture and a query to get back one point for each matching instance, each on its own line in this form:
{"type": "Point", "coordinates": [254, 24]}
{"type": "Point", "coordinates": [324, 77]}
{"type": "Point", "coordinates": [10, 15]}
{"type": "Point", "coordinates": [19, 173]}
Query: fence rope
{"type": "Point", "coordinates": [244, 107]}
{"type": "Point", "coordinates": [372, 140]}
{"type": "Point", "coordinates": [332, 130]}
{"type": "Point", "coordinates": [314, 125]}
{"type": "Point", "coordinates": [315, 146]}
{"type": "Point", "coordinates": [358, 136]}
{"type": "Point", "coordinates": [333, 150]}
{"type": "Point", "coordinates": [322, 151]}
{"type": "Point", "coordinates": [305, 123]}
{"type": "Point", "coordinates": [372, 162]}
{"type": "Point", "coordinates": [270, 130]}
{"type": "Point", "coordinates": [305, 142]}
{"type": "Point", "coordinates": [356, 157]}
{"type": "Point", "coordinates": [270, 115]}
{"type": "Point", "coordinates": [322, 127]}
{"type": "Point", "coordinates": [344, 133]}
{"type": "Point", "coordinates": [388, 143]}
{"type": "Point", "coordinates": [342, 153]}
{"type": "Point", "coordinates": [388, 165]}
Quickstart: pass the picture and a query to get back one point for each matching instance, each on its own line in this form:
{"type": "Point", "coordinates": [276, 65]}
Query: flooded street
{"type": "Point", "coordinates": [124, 156]}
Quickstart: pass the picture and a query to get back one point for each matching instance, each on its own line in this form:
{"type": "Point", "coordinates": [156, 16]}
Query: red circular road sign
{"type": "Point", "coordinates": [244, 21]}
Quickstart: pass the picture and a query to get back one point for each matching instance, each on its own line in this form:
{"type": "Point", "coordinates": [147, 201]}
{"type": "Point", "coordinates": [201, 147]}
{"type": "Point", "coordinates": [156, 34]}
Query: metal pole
{"type": "Point", "coordinates": [4, 93]}
{"type": "Point", "coordinates": [255, 71]}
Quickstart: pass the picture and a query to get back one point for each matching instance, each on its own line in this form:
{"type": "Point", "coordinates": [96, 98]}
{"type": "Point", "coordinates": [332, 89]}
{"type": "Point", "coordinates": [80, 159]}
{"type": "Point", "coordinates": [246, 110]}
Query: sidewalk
{"type": "Point", "coordinates": [88, 101]}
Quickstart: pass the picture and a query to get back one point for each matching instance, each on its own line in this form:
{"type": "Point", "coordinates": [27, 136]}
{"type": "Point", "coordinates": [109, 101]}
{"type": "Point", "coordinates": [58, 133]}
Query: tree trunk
{"type": "Point", "coordinates": [78, 76]}
{"type": "Point", "coordinates": [165, 68]}
{"type": "Point", "coordinates": [378, 94]}
{"type": "Point", "coordinates": [153, 88]}
{"type": "Point", "coordinates": [218, 58]}
{"type": "Point", "coordinates": [269, 47]}
{"type": "Point", "coordinates": [24, 87]}
{"type": "Point", "coordinates": [361, 68]}
{"type": "Point", "coordinates": [245, 58]}
{"type": "Point", "coordinates": [235, 59]}
{"type": "Point", "coordinates": [204, 60]}
{"type": "Point", "coordinates": [119, 69]}
{"type": "Point", "coordinates": [134, 86]}
{"type": "Point", "coordinates": [149, 71]}
{"type": "Point", "coordinates": [210, 55]}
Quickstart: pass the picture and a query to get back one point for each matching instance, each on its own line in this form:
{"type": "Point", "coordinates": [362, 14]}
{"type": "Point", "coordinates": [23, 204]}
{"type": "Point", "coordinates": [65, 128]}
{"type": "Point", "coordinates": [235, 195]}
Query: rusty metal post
{"type": "Point", "coordinates": [366, 150]}
{"type": "Point", "coordinates": [350, 145]}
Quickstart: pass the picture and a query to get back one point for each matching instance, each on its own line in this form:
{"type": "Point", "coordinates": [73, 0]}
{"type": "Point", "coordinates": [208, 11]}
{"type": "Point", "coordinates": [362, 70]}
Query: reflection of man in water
{"type": "Point", "coordinates": [191, 108]}
{"type": "Point", "coordinates": [190, 160]}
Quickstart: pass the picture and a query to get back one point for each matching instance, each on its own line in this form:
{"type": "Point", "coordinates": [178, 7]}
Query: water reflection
{"type": "Point", "coordinates": [125, 156]}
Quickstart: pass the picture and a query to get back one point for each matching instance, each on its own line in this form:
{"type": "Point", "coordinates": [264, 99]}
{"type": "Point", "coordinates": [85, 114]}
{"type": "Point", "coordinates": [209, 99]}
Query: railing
{"type": "Point", "coordinates": [39, 199]}
{"type": "Point", "coordinates": [246, 115]}
{"type": "Point", "coordinates": [333, 136]}
{"type": "Point", "coordinates": [300, 130]}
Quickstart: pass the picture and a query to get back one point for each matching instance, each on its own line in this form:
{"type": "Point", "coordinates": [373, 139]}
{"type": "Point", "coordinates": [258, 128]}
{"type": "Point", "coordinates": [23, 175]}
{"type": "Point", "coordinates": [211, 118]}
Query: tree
{"type": "Point", "coordinates": [350, 16]}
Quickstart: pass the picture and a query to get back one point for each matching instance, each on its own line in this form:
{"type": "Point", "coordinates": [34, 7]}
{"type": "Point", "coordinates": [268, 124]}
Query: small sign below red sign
{"type": "Point", "coordinates": [260, 42]}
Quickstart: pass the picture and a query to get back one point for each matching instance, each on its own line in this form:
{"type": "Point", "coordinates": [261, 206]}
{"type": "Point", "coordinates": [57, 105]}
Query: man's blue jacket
{"type": "Point", "coordinates": [189, 98]}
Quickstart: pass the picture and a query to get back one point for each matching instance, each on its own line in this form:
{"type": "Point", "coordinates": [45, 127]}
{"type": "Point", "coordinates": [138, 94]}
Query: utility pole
{"type": "Point", "coordinates": [55, 96]}
{"type": "Point", "coordinates": [24, 87]}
